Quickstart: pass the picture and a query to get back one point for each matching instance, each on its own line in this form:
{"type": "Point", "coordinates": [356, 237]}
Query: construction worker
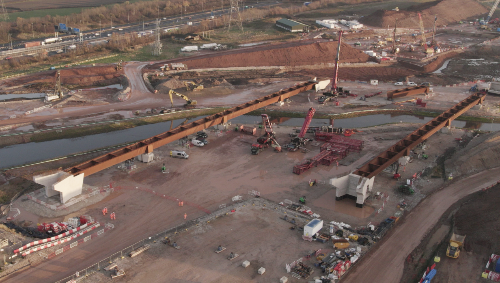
{"type": "Point", "coordinates": [185, 216]}
{"type": "Point", "coordinates": [170, 154]}
{"type": "Point", "coordinates": [174, 245]}
{"type": "Point", "coordinates": [219, 248]}
{"type": "Point", "coordinates": [182, 203]}
{"type": "Point", "coordinates": [104, 211]}
{"type": "Point", "coordinates": [113, 216]}
{"type": "Point", "coordinates": [231, 255]}
{"type": "Point", "coordinates": [163, 168]}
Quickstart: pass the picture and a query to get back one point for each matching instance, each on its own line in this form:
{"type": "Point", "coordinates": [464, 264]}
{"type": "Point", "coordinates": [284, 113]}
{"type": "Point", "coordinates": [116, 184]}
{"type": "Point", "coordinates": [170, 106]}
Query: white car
{"type": "Point", "coordinates": [197, 142]}
{"type": "Point", "coordinates": [411, 84]}
{"type": "Point", "coordinates": [398, 83]}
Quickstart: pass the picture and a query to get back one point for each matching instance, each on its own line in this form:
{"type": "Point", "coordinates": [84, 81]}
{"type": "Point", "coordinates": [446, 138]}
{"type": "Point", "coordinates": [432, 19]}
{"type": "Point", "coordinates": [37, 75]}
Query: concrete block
{"type": "Point", "coordinates": [261, 270]}
{"type": "Point", "coordinates": [283, 279]}
{"type": "Point", "coordinates": [246, 263]}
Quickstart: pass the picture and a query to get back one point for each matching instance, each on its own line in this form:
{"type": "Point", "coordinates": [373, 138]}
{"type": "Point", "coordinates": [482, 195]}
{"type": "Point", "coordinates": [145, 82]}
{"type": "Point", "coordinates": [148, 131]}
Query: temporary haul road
{"type": "Point", "coordinates": [386, 262]}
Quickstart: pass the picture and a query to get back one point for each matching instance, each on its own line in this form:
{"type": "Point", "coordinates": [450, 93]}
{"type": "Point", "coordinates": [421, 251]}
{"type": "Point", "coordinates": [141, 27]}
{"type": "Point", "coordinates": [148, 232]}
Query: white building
{"type": "Point", "coordinates": [354, 25]}
{"type": "Point", "coordinates": [328, 23]}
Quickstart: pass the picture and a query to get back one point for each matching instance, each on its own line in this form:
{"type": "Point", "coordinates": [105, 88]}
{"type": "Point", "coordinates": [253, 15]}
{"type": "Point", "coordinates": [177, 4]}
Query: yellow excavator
{"type": "Point", "coordinates": [191, 86]}
{"type": "Point", "coordinates": [190, 104]}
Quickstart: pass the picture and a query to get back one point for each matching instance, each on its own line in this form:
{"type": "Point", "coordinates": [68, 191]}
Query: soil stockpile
{"type": "Point", "coordinates": [447, 11]}
{"type": "Point", "coordinates": [83, 76]}
{"type": "Point", "coordinates": [481, 153]}
{"type": "Point", "coordinates": [310, 54]}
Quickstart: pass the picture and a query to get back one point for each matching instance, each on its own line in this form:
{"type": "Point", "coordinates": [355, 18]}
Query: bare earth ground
{"type": "Point", "coordinates": [473, 217]}
{"type": "Point", "coordinates": [256, 234]}
{"type": "Point", "coordinates": [233, 171]}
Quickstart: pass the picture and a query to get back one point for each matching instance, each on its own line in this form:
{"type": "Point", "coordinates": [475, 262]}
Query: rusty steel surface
{"type": "Point", "coordinates": [407, 92]}
{"type": "Point", "coordinates": [403, 147]}
{"type": "Point", "coordinates": [146, 146]}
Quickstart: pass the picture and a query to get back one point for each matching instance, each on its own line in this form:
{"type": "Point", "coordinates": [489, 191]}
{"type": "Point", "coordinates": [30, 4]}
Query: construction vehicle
{"type": "Point", "coordinates": [334, 91]}
{"type": "Point", "coordinates": [422, 31]}
{"type": "Point", "coordinates": [191, 86]}
{"type": "Point", "coordinates": [456, 243]}
{"type": "Point", "coordinates": [302, 200]}
{"type": "Point", "coordinates": [257, 148]}
{"type": "Point", "coordinates": [269, 137]}
{"type": "Point", "coordinates": [394, 49]}
{"type": "Point", "coordinates": [119, 65]}
{"type": "Point", "coordinates": [484, 24]}
{"type": "Point", "coordinates": [190, 104]}
{"type": "Point", "coordinates": [300, 141]}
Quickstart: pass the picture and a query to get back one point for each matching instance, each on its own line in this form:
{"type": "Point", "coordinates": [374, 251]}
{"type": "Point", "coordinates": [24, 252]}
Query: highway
{"type": "Point", "coordinates": [101, 35]}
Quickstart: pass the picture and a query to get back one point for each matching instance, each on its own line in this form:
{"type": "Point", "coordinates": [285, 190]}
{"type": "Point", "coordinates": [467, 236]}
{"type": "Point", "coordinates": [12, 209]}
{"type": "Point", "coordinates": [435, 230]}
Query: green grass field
{"type": "Point", "coordinates": [43, 13]}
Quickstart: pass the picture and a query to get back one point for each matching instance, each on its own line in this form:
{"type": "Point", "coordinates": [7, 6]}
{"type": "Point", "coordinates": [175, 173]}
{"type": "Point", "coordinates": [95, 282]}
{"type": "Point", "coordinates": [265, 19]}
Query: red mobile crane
{"type": "Point", "coordinates": [299, 140]}
{"type": "Point", "coordinates": [268, 139]}
{"type": "Point", "coordinates": [334, 91]}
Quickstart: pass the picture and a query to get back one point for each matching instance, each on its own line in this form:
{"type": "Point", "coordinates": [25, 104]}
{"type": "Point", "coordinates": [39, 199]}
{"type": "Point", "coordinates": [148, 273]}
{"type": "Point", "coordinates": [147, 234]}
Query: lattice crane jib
{"type": "Point", "coordinates": [267, 125]}
{"type": "Point", "coordinates": [307, 122]}
{"type": "Point", "coordinates": [336, 71]}
{"type": "Point", "coordinates": [422, 30]}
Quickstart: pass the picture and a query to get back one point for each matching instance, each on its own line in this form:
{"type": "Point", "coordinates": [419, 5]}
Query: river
{"type": "Point", "coordinates": [27, 153]}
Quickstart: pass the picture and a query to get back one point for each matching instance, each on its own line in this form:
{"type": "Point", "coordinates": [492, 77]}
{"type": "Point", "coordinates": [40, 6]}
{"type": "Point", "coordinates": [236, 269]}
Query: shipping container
{"type": "Point", "coordinates": [32, 44]}
{"type": "Point", "coordinates": [313, 227]}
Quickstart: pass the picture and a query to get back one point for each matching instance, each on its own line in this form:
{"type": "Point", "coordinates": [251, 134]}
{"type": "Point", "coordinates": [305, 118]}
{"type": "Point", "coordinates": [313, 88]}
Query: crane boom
{"type": "Point", "coordinates": [493, 8]}
{"type": "Point", "coordinates": [307, 121]}
{"type": "Point", "coordinates": [267, 125]}
{"type": "Point", "coordinates": [422, 30]}
{"type": "Point", "coordinates": [336, 71]}
{"type": "Point", "coordinates": [433, 42]}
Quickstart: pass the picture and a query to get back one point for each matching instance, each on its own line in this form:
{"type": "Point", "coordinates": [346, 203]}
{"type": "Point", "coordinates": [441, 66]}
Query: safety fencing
{"type": "Point", "coordinates": [177, 230]}
{"type": "Point", "coordinates": [60, 241]}
{"type": "Point", "coordinates": [52, 238]}
{"type": "Point", "coordinates": [106, 228]}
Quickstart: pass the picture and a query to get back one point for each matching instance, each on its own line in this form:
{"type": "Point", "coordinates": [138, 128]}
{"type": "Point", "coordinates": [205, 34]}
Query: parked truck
{"type": "Point", "coordinates": [494, 88]}
{"type": "Point", "coordinates": [32, 44]}
{"type": "Point", "coordinates": [52, 40]}
{"type": "Point", "coordinates": [456, 243]}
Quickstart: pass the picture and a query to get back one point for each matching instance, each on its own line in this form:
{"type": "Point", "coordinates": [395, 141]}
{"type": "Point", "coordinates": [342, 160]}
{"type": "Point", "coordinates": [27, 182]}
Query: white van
{"type": "Point", "coordinates": [179, 154]}
{"type": "Point", "coordinates": [197, 142]}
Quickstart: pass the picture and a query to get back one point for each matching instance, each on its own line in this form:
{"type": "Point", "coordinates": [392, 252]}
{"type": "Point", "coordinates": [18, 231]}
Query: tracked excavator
{"type": "Point", "coordinates": [190, 104]}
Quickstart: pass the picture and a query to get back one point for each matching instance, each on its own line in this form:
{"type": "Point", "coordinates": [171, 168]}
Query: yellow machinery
{"type": "Point", "coordinates": [189, 103]}
{"type": "Point", "coordinates": [456, 243]}
{"type": "Point", "coordinates": [191, 86]}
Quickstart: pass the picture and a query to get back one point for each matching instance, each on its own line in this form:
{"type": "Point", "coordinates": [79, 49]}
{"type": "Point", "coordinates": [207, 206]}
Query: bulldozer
{"type": "Point", "coordinates": [456, 243]}
{"type": "Point", "coordinates": [190, 104]}
{"type": "Point", "coordinates": [191, 86]}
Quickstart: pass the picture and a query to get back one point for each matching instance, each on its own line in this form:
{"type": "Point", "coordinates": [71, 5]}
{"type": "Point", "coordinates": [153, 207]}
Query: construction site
{"type": "Point", "coordinates": [366, 151]}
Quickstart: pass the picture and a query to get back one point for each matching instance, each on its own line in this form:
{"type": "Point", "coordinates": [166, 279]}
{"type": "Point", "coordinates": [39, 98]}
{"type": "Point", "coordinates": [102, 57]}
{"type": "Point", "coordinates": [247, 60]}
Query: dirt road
{"type": "Point", "coordinates": [387, 262]}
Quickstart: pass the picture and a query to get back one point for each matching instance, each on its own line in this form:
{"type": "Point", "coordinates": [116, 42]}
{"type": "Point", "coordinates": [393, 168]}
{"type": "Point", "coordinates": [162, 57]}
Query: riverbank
{"type": "Point", "coordinates": [81, 130]}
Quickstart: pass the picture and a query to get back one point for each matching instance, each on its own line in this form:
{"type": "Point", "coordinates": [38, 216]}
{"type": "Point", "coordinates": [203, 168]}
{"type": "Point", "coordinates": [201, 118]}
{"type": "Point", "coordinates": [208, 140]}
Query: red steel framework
{"type": "Point", "coordinates": [146, 146]}
{"type": "Point", "coordinates": [336, 148]}
{"type": "Point", "coordinates": [403, 147]}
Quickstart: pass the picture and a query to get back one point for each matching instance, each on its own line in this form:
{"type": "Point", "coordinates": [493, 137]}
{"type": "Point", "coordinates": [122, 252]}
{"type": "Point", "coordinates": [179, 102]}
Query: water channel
{"type": "Point", "coordinates": [20, 154]}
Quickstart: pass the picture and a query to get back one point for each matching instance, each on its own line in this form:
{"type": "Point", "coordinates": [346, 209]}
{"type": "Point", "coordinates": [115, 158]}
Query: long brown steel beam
{"type": "Point", "coordinates": [403, 147]}
{"type": "Point", "coordinates": [146, 146]}
{"type": "Point", "coordinates": [403, 92]}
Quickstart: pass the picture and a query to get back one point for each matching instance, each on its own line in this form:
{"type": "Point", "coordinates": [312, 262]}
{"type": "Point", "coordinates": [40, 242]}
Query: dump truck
{"type": "Point", "coordinates": [456, 243]}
